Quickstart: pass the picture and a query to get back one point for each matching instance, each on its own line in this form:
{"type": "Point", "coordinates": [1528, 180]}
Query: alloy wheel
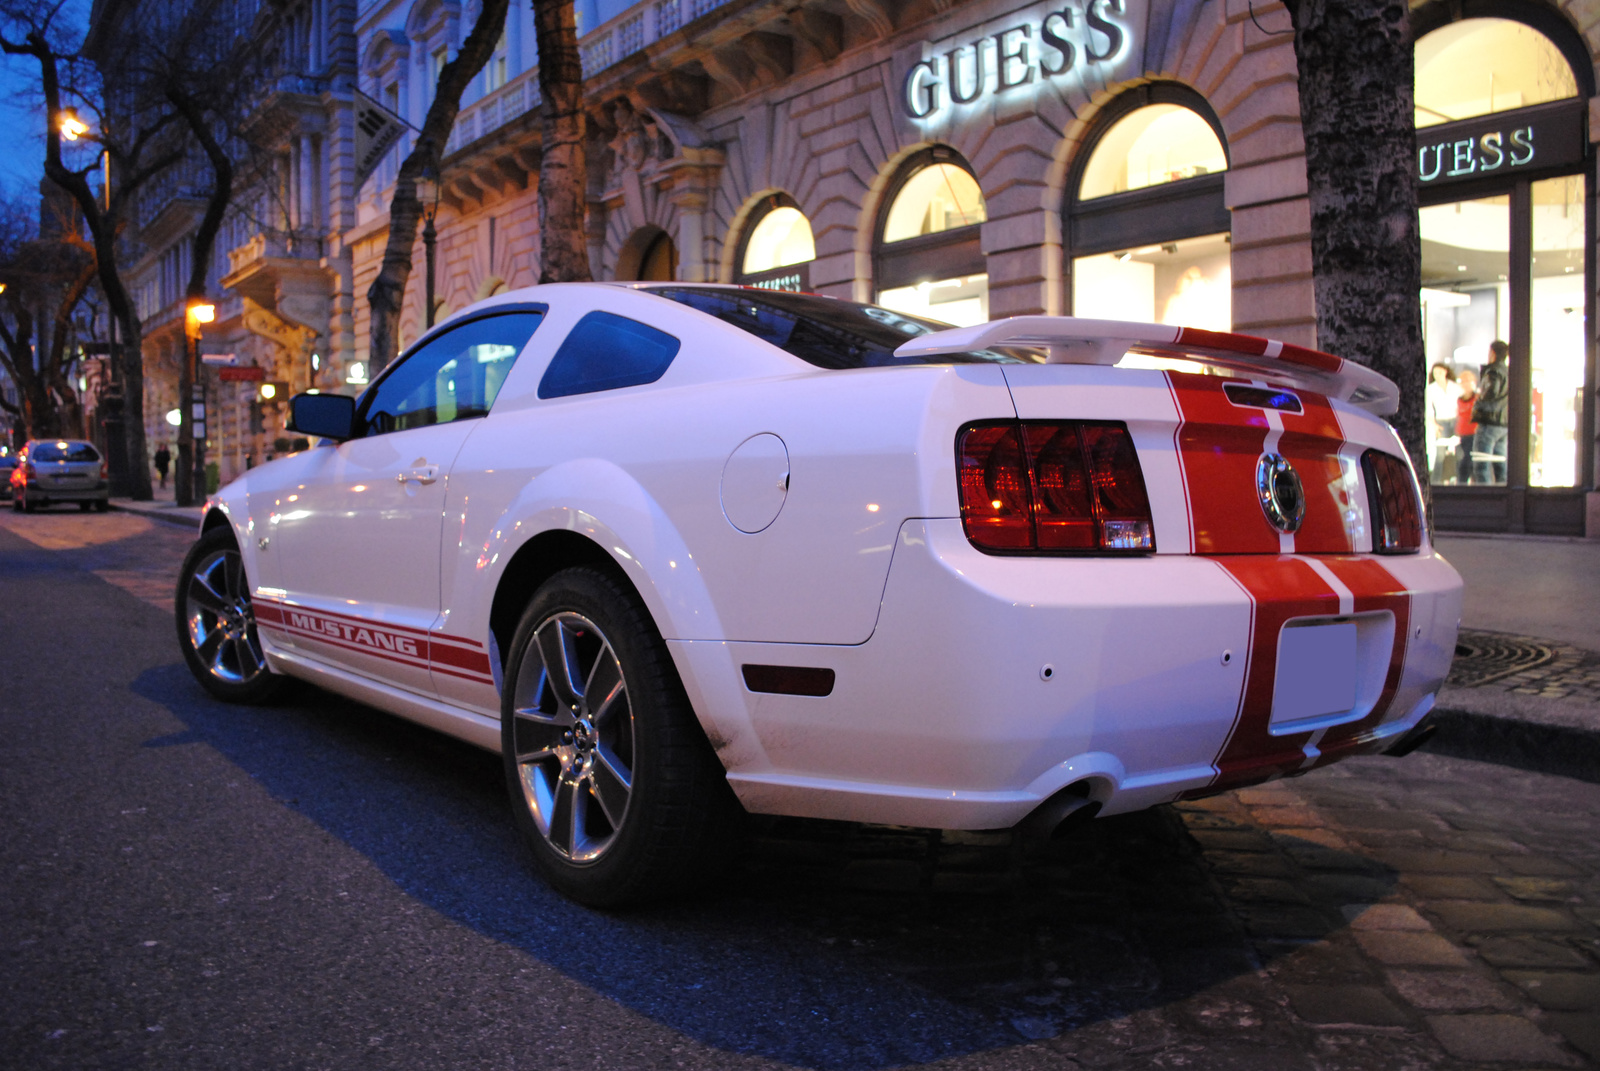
{"type": "Point", "coordinates": [221, 624]}
{"type": "Point", "coordinates": [574, 737]}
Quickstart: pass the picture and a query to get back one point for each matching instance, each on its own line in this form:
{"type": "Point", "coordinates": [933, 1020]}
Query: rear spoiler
{"type": "Point", "coordinates": [1071, 340]}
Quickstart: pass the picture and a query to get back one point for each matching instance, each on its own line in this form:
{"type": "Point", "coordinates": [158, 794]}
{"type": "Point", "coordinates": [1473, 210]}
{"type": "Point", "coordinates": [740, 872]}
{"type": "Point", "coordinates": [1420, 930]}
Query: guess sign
{"type": "Point", "coordinates": [1062, 41]}
{"type": "Point", "coordinates": [1543, 136]}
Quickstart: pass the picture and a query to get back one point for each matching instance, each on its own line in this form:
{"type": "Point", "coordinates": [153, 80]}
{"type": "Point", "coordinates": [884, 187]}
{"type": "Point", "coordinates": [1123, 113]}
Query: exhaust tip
{"type": "Point", "coordinates": [1061, 814]}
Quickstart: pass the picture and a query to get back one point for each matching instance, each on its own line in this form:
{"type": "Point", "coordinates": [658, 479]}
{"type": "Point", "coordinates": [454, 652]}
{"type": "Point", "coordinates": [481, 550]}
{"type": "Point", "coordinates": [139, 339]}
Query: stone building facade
{"type": "Point", "coordinates": [972, 159]}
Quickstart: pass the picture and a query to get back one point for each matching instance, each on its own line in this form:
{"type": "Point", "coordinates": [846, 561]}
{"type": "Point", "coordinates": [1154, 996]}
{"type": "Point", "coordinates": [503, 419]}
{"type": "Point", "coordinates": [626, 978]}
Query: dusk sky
{"type": "Point", "coordinates": [22, 114]}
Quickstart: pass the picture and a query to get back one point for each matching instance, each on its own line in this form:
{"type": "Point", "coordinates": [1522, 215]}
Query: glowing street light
{"type": "Point", "coordinates": [71, 127]}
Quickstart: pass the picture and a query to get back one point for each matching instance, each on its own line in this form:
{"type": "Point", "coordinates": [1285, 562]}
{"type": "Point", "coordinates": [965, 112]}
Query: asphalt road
{"type": "Point", "coordinates": [319, 885]}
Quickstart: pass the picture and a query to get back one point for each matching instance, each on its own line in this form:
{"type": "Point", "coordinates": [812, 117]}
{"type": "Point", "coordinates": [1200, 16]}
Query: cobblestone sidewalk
{"type": "Point", "coordinates": [1379, 914]}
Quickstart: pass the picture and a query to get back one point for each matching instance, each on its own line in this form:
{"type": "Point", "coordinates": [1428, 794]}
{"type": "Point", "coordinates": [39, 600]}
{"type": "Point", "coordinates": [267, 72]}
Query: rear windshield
{"type": "Point", "coordinates": [65, 452]}
{"type": "Point", "coordinates": [826, 332]}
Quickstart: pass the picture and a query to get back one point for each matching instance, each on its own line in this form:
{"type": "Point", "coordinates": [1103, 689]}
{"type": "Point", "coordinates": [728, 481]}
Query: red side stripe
{"type": "Point", "coordinates": [435, 653]}
{"type": "Point", "coordinates": [365, 622]}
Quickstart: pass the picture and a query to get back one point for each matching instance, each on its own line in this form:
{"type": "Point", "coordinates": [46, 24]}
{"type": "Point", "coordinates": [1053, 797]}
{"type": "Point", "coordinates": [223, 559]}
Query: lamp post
{"type": "Point", "coordinates": [191, 482]}
{"type": "Point", "coordinates": [428, 194]}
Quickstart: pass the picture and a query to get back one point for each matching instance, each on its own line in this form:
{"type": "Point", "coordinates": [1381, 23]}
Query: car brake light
{"type": "Point", "coordinates": [105, 471]}
{"type": "Point", "coordinates": [1396, 513]}
{"type": "Point", "coordinates": [1053, 486]}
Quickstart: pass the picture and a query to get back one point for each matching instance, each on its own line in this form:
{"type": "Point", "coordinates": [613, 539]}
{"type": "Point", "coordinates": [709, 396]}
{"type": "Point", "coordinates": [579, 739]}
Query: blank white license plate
{"type": "Point", "coordinates": [1316, 672]}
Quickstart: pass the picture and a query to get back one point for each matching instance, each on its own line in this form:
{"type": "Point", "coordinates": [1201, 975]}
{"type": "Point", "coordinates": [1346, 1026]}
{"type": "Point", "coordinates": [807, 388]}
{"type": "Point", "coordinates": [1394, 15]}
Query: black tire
{"type": "Point", "coordinates": [623, 801]}
{"type": "Point", "coordinates": [85, 507]}
{"type": "Point", "coordinates": [216, 624]}
{"type": "Point", "coordinates": [102, 505]}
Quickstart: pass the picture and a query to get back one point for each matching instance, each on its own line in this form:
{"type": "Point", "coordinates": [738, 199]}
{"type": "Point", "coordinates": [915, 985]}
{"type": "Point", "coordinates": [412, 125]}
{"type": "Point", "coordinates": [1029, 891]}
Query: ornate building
{"type": "Point", "coordinates": [965, 159]}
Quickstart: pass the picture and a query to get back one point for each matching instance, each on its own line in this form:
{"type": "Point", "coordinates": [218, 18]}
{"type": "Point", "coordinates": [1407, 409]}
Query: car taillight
{"type": "Point", "coordinates": [105, 471]}
{"type": "Point", "coordinates": [1053, 486]}
{"type": "Point", "coordinates": [1396, 513]}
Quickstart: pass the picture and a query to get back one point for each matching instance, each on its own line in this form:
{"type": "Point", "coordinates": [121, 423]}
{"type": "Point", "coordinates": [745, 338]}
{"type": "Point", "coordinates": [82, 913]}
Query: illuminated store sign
{"type": "Point", "coordinates": [1547, 135]}
{"type": "Point", "coordinates": [1064, 41]}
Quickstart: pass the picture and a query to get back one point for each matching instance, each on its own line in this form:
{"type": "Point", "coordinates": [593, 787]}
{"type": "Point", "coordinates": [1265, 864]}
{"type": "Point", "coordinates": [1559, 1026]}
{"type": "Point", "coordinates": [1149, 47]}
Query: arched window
{"type": "Point", "coordinates": [1501, 97]}
{"type": "Point", "coordinates": [777, 249]}
{"type": "Point", "coordinates": [928, 260]}
{"type": "Point", "coordinates": [1147, 226]}
{"type": "Point", "coordinates": [1481, 66]}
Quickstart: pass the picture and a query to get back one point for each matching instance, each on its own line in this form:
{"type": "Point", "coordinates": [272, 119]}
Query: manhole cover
{"type": "Point", "coordinates": [1482, 657]}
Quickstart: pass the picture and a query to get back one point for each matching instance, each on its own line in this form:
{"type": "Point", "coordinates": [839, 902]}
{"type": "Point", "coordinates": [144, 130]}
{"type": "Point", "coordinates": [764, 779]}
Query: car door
{"type": "Point", "coordinates": [360, 536]}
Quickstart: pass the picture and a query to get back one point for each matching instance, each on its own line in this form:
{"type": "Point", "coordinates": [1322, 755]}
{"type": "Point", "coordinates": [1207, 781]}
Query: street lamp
{"type": "Point", "coordinates": [191, 395]}
{"type": "Point", "coordinates": [428, 194]}
{"type": "Point", "coordinates": [71, 127]}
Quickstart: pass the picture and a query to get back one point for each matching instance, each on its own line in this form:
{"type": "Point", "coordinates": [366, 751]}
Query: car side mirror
{"type": "Point", "coordinates": [327, 416]}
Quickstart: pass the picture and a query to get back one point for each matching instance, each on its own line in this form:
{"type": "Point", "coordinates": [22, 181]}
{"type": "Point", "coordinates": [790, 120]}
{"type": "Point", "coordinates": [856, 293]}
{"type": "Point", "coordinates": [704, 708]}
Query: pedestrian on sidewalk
{"type": "Point", "coordinates": [163, 461]}
{"type": "Point", "coordinates": [1489, 413]}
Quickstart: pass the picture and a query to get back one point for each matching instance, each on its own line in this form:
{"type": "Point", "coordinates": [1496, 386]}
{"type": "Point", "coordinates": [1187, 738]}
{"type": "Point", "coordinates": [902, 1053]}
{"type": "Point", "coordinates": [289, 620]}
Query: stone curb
{"type": "Point", "coordinates": [186, 517]}
{"type": "Point", "coordinates": [1563, 750]}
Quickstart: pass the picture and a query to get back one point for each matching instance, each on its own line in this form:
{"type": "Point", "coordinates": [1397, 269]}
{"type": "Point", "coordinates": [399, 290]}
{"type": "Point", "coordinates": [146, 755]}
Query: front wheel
{"type": "Point", "coordinates": [217, 625]}
{"type": "Point", "coordinates": [613, 784]}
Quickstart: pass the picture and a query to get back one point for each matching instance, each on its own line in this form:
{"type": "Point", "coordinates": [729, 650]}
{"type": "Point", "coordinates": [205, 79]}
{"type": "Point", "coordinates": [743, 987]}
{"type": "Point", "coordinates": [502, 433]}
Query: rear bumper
{"type": "Point", "coordinates": [43, 494]}
{"type": "Point", "coordinates": [990, 683]}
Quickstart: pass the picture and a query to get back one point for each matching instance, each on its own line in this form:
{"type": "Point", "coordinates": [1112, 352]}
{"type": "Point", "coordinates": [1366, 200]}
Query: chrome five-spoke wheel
{"type": "Point", "coordinates": [573, 733]}
{"type": "Point", "coordinates": [222, 626]}
{"type": "Point", "coordinates": [612, 783]}
{"type": "Point", "coordinates": [217, 625]}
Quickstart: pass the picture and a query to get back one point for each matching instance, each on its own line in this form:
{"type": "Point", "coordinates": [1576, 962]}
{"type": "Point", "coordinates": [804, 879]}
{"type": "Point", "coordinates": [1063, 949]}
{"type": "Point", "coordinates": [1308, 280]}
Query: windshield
{"type": "Point", "coordinates": [826, 332]}
{"type": "Point", "coordinates": [64, 451]}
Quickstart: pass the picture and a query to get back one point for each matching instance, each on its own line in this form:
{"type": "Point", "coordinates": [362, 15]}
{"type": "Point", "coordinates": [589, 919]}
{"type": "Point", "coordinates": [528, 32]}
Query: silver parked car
{"type": "Point", "coordinates": [60, 470]}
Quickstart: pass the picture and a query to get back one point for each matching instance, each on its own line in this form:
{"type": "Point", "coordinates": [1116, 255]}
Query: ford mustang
{"type": "Point", "coordinates": [684, 552]}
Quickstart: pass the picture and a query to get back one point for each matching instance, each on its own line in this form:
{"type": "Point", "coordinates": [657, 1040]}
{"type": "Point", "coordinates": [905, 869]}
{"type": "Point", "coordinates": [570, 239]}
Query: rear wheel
{"type": "Point", "coordinates": [85, 507]}
{"type": "Point", "coordinates": [102, 505]}
{"type": "Point", "coordinates": [613, 784]}
{"type": "Point", "coordinates": [217, 625]}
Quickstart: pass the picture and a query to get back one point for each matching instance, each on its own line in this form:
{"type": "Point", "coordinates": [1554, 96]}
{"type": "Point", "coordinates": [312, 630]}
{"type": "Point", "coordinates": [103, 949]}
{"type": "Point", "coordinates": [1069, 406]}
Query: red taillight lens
{"type": "Point", "coordinates": [996, 504]}
{"type": "Point", "coordinates": [1053, 486]}
{"type": "Point", "coordinates": [1396, 513]}
{"type": "Point", "coordinates": [105, 471]}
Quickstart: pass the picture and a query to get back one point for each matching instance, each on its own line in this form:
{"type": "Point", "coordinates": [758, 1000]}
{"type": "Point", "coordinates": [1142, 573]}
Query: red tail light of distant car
{"type": "Point", "coordinates": [1053, 487]}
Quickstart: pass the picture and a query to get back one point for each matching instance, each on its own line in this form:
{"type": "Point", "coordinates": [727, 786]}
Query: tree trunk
{"type": "Point", "coordinates": [190, 486]}
{"type": "Point", "coordinates": [563, 167]}
{"type": "Point", "coordinates": [388, 290]}
{"type": "Point", "coordinates": [1356, 69]}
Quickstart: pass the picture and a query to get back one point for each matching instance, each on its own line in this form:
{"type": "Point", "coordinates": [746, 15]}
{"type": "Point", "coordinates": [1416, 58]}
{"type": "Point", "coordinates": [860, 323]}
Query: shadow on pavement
{"type": "Point", "coordinates": [831, 945]}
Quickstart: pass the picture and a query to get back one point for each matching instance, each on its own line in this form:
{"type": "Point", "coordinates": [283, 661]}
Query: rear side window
{"type": "Point", "coordinates": [606, 351]}
{"type": "Point", "coordinates": [61, 451]}
{"type": "Point", "coordinates": [453, 376]}
{"type": "Point", "coordinates": [826, 332]}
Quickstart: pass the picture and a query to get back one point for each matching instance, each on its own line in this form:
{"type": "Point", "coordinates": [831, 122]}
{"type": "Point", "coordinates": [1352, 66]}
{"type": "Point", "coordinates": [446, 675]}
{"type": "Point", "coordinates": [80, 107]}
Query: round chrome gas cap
{"type": "Point", "coordinates": [1283, 499]}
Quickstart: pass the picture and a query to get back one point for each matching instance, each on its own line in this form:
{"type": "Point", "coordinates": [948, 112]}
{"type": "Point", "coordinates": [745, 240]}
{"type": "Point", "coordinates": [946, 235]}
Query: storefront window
{"type": "Point", "coordinates": [1157, 144]}
{"type": "Point", "coordinates": [929, 261]}
{"type": "Point", "coordinates": [778, 246]}
{"type": "Point", "coordinates": [1188, 282]}
{"type": "Point", "coordinates": [1148, 231]}
{"type": "Point", "coordinates": [1480, 66]}
{"type": "Point", "coordinates": [1555, 341]}
{"type": "Point", "coordinates": [1466, 308]}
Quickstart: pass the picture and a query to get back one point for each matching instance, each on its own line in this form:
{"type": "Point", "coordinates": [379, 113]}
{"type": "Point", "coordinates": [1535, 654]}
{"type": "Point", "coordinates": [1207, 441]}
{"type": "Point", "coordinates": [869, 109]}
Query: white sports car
{"type": "Point", "coordinates": [676, 550]}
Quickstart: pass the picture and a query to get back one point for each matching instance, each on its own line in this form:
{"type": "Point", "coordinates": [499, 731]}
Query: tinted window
{"type": "Point", "coordinates": [605, 352]}
{"type": "Point", "coordinates": [826, 332]}
{"type": "Point", "coordinates": [65, 451]}
{"type": "Point", "coordinates": [453, 376]}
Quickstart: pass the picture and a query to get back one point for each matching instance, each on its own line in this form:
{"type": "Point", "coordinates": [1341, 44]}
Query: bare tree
{"type": "Point", "coordinates": [405, 210]}
{"type": "Point", "coordinates": [46, 276]}
{"type": "Point", "coordinates": [1356, 70]}
{"type": "Point", "coordinates": [563, 165]}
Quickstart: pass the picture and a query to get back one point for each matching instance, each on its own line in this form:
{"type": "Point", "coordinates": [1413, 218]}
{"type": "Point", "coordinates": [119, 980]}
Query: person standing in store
{"type": "Point", "coordinates": [163, 460]}
{"type": "Point", "coordinates": [1489, 413]}
{"type": "Point", "coordinates": [1440, 397]}
{"type": "Point", "coordinates": [1466, 430]}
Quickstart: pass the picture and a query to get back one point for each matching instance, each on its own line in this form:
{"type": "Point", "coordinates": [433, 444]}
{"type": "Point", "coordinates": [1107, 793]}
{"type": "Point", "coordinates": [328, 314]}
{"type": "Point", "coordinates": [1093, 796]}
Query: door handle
{"type": "Point", "coordinates": [424, 475]}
